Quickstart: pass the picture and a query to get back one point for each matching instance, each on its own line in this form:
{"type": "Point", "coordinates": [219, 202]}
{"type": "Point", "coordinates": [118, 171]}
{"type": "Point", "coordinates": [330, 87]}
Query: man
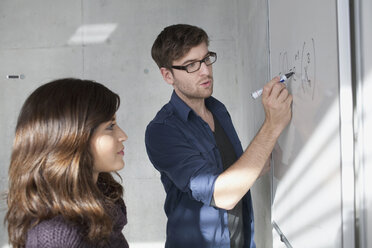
{"type": "Point", "coordinates": [193, 144]}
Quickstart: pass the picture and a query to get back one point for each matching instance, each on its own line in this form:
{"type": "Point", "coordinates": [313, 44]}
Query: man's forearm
{"type": "Point", "coordinates": [234, 183]}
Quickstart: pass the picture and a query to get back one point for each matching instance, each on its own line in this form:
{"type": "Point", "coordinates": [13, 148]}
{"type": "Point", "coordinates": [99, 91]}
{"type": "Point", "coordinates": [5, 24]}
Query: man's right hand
{"type": "Point", "coordinates": [234, 183]}
{"type": "Point", "coordinates": [277, 104]}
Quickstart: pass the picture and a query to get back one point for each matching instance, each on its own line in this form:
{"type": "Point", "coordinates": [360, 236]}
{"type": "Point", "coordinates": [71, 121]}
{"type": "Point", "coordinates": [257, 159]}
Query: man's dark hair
{"type": "Point", "coordinates": [175, 41]}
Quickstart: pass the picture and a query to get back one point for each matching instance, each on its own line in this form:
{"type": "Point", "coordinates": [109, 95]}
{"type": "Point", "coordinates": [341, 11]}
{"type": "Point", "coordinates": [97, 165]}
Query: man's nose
{"type": "Point", "coordinates": [204, 68]}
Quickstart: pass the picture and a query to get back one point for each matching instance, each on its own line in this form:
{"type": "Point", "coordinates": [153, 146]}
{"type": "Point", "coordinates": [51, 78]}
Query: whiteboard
{"type": "Point", "coordinates": [306, 178]}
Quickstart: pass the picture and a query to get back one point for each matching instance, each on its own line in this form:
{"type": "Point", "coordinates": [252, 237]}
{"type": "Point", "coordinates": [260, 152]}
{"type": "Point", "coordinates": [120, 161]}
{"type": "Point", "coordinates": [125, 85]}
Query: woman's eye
{"type": "Point", "coordinates": [111, 126]}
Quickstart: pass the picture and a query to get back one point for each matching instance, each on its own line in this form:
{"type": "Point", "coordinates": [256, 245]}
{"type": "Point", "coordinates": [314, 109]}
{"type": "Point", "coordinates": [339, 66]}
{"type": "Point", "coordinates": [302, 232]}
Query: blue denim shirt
{"type": "Point", "coordinates": [181, 146]}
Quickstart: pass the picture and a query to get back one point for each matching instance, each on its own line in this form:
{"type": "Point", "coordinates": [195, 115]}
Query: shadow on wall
{"type": "Point", "coordinates": [305, 176]}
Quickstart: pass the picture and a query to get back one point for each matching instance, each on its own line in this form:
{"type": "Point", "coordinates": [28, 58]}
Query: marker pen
{"type": "Point", "coordinates": [283, 78]}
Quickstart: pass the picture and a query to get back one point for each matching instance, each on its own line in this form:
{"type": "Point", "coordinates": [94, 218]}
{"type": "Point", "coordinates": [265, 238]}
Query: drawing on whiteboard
{"type": "Point", "coordinates": [308, 75]}
{"type": "Point", "coordinates": [305, 79]}
{"type": "Point", "coordinates": [302, 86]}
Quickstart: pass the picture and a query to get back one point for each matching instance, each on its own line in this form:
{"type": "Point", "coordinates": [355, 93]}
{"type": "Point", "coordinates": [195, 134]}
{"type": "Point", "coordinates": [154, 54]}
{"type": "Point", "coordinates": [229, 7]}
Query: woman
{"type": "Point", "coordinates": [61, 191]}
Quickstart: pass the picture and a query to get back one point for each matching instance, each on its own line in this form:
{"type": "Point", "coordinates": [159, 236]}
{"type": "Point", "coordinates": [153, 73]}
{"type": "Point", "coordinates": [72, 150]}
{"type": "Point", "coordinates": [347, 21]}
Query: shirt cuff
{"type": "Point", "coordinates": [202, 187]}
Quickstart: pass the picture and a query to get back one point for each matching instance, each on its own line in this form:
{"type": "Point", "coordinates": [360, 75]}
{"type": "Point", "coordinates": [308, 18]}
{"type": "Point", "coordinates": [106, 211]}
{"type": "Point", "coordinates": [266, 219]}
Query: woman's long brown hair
{"type": "Point", "coordinates": [51, 167]}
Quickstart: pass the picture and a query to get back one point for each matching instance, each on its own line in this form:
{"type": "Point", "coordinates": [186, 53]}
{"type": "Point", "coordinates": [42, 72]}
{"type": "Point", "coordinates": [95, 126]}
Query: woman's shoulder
{"type": "Point", "coordinates": [55, 232]}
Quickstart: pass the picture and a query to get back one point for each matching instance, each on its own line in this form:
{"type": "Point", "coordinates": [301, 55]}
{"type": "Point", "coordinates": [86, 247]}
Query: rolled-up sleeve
{"type": "Point", "coordinates": [172, 154]}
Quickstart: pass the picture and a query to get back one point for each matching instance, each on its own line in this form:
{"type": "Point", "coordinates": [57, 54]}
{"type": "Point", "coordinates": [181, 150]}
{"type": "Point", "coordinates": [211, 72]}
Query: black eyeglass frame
{"type": "Point", "coordinates": [184, 67]}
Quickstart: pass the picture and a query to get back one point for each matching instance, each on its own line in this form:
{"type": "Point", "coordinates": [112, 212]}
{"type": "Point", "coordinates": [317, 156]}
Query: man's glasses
{"type": "Point", "coordinates": [194, 66]}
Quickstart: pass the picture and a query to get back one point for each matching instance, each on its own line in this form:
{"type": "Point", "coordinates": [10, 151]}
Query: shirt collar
{"type": "Point", "coordinates": [181, 107]}
{"type": "Point", "coordinates": [184, 110]}
{"type": "Point", "coordinates": [214, 105]}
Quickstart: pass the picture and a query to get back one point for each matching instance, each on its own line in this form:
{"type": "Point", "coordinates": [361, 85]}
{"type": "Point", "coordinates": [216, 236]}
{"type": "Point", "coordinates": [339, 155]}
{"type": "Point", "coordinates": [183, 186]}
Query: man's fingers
{"type": "Point", "coordinates": [289, 100]}
{"type": "Point", "coordinates": [269, 86]}
{"type": "Point", "coordinates": [283, 95]}
{"type": "Point", "coordinates": [277, 90]}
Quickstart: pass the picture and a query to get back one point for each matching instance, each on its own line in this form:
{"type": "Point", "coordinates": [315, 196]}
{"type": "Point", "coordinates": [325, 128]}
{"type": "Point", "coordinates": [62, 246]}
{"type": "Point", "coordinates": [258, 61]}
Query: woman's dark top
{"type": "Point", "coordinates": [57, 232]}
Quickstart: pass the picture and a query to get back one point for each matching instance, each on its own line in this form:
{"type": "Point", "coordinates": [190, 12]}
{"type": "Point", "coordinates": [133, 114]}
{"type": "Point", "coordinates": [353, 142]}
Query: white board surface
{"type": "Point", "coordinates": [306, 186]}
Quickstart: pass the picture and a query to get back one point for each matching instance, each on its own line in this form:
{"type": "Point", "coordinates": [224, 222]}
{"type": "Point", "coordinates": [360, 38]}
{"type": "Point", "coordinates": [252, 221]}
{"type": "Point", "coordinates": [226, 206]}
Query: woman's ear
{"type": "Point", "coordinates": [167, 75]}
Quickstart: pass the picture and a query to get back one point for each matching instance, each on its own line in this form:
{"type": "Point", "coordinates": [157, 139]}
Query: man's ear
{"type": "Point", "coordinates": [167, 75]}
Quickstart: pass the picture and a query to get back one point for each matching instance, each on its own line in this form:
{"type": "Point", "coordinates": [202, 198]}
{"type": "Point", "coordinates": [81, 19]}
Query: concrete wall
{"type": "Point", "coordinates": [253, 67]}
{"type": "Point", "coordinates": [41, 40]}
